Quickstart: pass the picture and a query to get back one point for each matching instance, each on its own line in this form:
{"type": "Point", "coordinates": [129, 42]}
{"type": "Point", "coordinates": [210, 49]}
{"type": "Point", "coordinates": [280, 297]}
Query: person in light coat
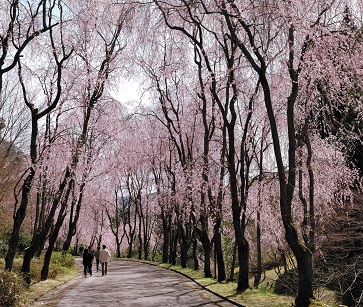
{"type": "Point", "coordinates": [105, 257]}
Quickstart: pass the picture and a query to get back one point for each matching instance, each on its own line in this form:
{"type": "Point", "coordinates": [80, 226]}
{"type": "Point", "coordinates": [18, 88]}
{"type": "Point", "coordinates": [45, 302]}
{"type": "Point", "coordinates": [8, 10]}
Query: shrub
{"type": "Point", "coordinates": [62, 259]}
{"type": "Point", "coordinates": [11, 286]}
{"type": "Point", "coordinates": [73, 251]}
{"type": "Point", "coordinates": [55, 271]}
{"type": "Point", "coordinates": [287, 284]}
{"type": "Point", "coordinates": [3, 248]}
{"type": "Point", "coordinates": [25, 240]}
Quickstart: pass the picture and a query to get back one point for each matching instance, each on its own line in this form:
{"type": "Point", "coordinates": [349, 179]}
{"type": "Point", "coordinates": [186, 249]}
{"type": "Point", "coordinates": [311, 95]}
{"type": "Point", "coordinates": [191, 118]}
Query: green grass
{"type": "Point", "coordinates": [37, 289]}
{"type": "Point", "coordinates": [250, 298]}
{"type": "Point", "coordinates": [263, 296]}
{"type": "Point", "coordinates": [61, 270]}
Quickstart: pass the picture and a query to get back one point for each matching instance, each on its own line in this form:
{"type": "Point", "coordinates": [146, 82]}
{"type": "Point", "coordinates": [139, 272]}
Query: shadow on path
{"type": "Point", "coordinates": [130, 283]}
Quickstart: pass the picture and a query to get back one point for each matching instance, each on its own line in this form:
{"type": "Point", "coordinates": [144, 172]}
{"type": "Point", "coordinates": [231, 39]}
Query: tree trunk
{"type": "Point", "coordinates": [28, 256]}
{"type": "Point", "coordinates": [129, 250]}
{"type": "Point", "coordinates": [183, 248]}
{"type": "Point", "coordinates": [259, 255]}
{"type": "Point", "coordinates": [18, 220]}
{"type": "Point", "coordinates": [118, 247]}
{"type": "Point", "coordinates": [140, 240]}
{"type": "Point", "coordinates": [305, 269]}
{"type": "Point", "coordinates": [166, 244]}
{"type": "Point", "coordinates": [243, 259]}
{"type": "Point", "coordinates": [304, 266]}
{"type": "Point", "coordinates": [173, 248]}
{"type": "Point", "coordinates": [38, 239]}
{"type": "Point", "coordinates": [233, 265]}
{"type": "Point", "coordinates": [207, 249]}
{"type": "Point", "coordinates": [207, 257]}
{"type": "Point", "coordinates": [195, 256]}
{"type": "Point", "coordinates": [219, 254]}
{"type": "Point", "coordinates": [45, 269]}
{"type": "Point", "coordinates": [53, 237]}
{"type": "Point", "coordinates": [72, 228]}
{"type": "Point", "coordinates": [146, 246]}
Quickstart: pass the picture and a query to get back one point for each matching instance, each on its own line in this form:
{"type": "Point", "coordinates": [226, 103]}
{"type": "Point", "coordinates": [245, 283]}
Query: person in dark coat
{"type": "Point", "coordinates": [87, 262]}
{"type": "Point", "coordinates": [97, 255]}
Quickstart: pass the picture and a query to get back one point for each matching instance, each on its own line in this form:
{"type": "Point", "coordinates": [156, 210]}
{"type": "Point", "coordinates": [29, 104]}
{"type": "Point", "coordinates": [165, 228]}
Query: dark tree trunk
{"type": "Point", "coordinates": [207, 249]}
{"type": "Point", "coordinates": [130, 234]}
{"type": "Point", "coordinates": [243, 282]}
{"type": "Point", "coordinates": [233, 265]}
{"type": "Point", "coordinates": [27, 184]}
{"type": "Point", "coordinates": [183, 255]}
{"type": "Point", "coordinates": [183, 242]}
{"type": "Point", "coordinates": [258, 274]}
{"type": "Point", "coordinates": [217, 240]}
{"type": "Point", "coordinates": [305, 269]}
{"type": "Point", "coordinates": [140, 239]}
{"type": "Point", "coordinates": [54, 235]}
{"type": "Point", "coordinates": [40, 237]}
{"type": "Point", "coordinates": [146, 239]}
{"type": "Point", "coordinates": [18, 220]}
{"type": "Point", "coordinates": [166, 243]}
{"type": "Point", "coordinates": [304, 266]}
{"type": "Point", "coordinates": [195, 255]}
{"type": "Point", "coordinates": [203, 234]}
{"type": "Point", "coordinates": [72, 226]}
{"type": "Point", "coordinates": [118, 247]}
{"type": "Point", "coordinates": [166, 220]}
{"type": "Point", "coordinates": [28, 256]}
{"type": "Point", "coordinates": [129, 250]}
{"type": "Point", "coordinates": [207, 258]}
{"type": "Point", "coordinates": [173, 247]}
{"type": "Point", "coordinates": [47, 257]}
{"type": "Point", "coordinates": [243, 275]}
{"type": "Point", "coordinates": [31, 34]}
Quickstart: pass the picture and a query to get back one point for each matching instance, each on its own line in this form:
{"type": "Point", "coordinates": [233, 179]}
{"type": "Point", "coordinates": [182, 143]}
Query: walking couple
{"type": "Point", "coordinates": [102, 256]}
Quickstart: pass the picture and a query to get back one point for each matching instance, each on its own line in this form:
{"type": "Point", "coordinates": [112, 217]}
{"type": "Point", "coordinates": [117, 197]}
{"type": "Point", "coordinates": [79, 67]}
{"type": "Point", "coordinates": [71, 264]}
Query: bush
{"type": "Point", "coordinates": [4, 238]}
{"type": "Point", "coordinates": [56, 271]}
{"type": "Point", "coordinates": [3, 248]}
{"type": "Point", "coordinates": [11, 286]}
{"type": "Point", "coordinates": [287, 284]}
{"type": "Point", "coordinates": [62, 259]}
{"type": "Point", "coordinates": [58, 264]}
{"type": "Point", "coordinates": [25, 240]}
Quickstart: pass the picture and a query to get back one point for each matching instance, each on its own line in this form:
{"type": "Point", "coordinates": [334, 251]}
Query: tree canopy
{"type": "Point", "coordinates": [244, 146]}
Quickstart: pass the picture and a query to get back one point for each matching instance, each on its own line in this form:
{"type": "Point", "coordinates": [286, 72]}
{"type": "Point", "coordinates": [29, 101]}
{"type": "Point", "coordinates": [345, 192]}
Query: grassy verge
{"type": "Point", "coordinates": [62, 269]}
{"type": "Point", "coordinates": [38, 289]}
{"type": "Point", "coordinates": [253, 297]}
{"type": "Point", "coordinates": [263, 296]}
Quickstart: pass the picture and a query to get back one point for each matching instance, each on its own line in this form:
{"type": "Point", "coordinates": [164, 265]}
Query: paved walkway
{"type": "Point", "coordinates": [136, 284]}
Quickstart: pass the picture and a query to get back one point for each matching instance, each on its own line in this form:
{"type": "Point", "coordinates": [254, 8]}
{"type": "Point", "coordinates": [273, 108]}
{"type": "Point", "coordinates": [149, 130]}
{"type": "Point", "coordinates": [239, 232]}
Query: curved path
{"type": "Point", "coordinates": [130, 283]}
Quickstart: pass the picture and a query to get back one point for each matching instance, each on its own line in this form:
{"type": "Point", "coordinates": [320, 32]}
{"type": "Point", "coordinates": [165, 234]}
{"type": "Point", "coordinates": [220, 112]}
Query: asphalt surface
{"type": "Point", "coordinates": [130, 283]}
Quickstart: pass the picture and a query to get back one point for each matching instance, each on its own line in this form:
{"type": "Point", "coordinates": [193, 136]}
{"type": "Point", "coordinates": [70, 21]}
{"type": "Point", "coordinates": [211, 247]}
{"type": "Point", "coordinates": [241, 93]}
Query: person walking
{"type": "Point", "coordinates": [97, 256]}
{"type": "Point", "coordinates": [87, 262]}
{"type": "Point", "coordinates": [104, 258]}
